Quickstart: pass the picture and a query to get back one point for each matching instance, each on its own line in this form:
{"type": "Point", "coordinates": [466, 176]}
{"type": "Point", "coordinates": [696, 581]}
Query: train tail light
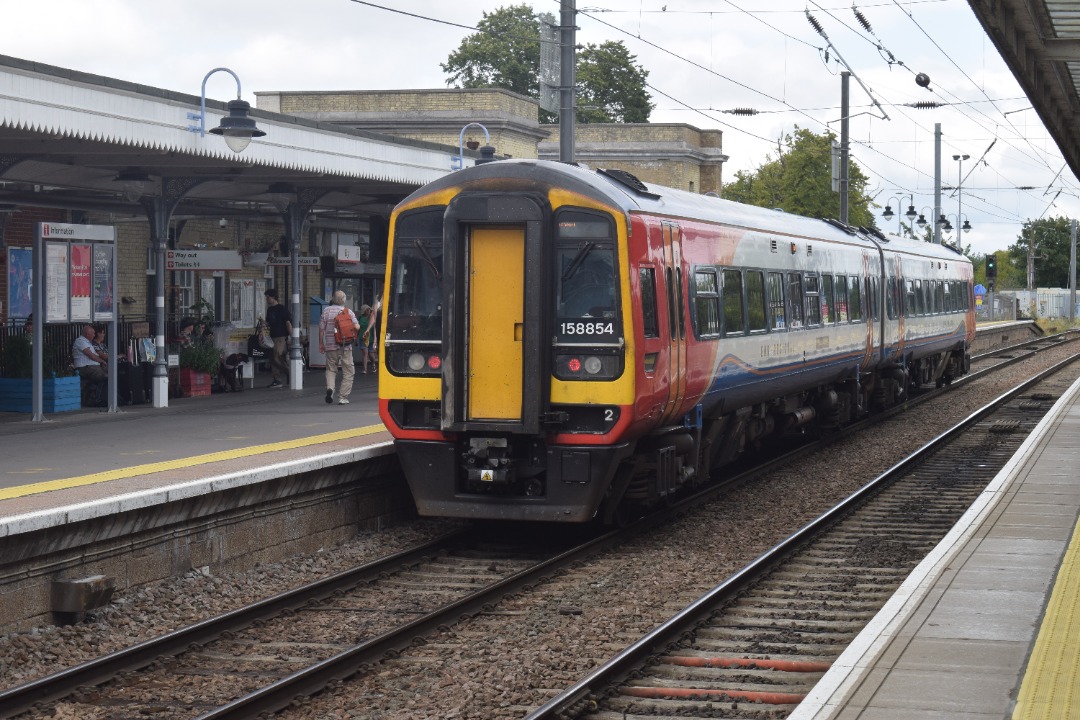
{"type": "Point", "coordinates": [588, 367]}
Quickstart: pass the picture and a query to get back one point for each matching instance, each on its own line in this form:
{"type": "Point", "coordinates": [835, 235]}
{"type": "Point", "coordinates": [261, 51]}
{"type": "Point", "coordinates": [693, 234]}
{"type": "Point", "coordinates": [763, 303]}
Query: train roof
{"type": "Point", "coordinates": [627, 192]}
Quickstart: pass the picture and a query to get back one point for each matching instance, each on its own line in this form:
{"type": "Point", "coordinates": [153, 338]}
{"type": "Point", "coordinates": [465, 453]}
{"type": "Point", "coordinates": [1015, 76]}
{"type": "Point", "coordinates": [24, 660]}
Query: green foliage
{"type": "Point", "coordinates": [799, 180]}
{"type": "Point", "coordinates": [203, 312]}
{"type": "Point", "coordinates": [18, 361]}
{"type": "Point", "coordinates": [506, 54]}
{"type": "Point", "coordinates": [611, 86]}
{"type": "Point", "coordinates": [201, 356]}
{"type": "Point", "coordinates": [1052, 240]}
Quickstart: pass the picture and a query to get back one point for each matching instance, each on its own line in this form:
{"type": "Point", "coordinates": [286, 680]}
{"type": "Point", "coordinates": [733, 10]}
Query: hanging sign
{"type": "Point", "coordinates": [203, 260]}
{"type": "Point", "coordinates": [302, 261]}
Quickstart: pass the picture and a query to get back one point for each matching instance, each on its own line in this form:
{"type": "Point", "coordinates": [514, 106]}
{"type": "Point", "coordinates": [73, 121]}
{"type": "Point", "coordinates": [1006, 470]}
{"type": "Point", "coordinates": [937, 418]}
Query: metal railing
{"type": "Point", "coordinates": [60, 337]}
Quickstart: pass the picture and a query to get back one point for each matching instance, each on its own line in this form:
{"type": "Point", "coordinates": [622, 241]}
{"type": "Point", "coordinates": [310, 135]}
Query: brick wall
{"type": "Point", "coordinates": [436, 116]}
{"type": "Point", "coordinates": [674, 154]}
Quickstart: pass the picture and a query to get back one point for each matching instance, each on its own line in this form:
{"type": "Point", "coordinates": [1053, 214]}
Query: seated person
{"type": "Point", "coordinates": [91, 366]}
{"type": "Point", "coordinates": [187, 330]}
{"type": "Point", "coordinates": [100, 347]}
{"type": "Point", "coordinates": [231, 374]}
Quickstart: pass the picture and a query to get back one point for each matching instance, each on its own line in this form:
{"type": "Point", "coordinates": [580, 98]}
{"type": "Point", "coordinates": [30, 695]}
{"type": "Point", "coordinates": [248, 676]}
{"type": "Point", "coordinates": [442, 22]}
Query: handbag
{"type": "Point", "coordinates": [265, 340]}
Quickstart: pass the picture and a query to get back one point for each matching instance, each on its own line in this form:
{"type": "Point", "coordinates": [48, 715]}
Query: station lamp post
{"type": "Point", "coordinates": [237, 128]}
{"type": "Point", "coordinates": [888, 213]}
{"type": "Point", "coordinates": [960, 195]}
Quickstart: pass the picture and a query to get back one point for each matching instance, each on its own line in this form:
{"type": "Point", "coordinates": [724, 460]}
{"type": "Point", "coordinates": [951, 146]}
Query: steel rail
{"type": "Point", "coordinates": [94, 672]}
{"type": "Point", "coordinates": [614, 670]}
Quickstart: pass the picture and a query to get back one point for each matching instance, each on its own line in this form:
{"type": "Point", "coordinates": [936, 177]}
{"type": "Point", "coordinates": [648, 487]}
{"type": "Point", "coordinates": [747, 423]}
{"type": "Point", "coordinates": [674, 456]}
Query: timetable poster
{"type": "Point", "coordinates": [81, 262]}
{"type": "Point", "coordinates": [20, 264]}
{"type": "Point", "coordinates": [56, 282]}
{"type": "Point", "coordinates": [103, 281]}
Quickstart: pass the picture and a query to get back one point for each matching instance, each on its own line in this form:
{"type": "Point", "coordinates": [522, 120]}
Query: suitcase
{"type": "Point", "coordinates": [129, 384]}
{"type": "Point", "coordinates": [148, 380]}
{"type": "Point", "coordinates": [138, 384]}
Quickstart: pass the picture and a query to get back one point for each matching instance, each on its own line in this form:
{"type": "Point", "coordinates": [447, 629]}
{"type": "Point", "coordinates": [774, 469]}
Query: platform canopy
{"type": "Point", "coordinates": [1040, 42]}
{"type": "Point", "coordinates": [69, 140]}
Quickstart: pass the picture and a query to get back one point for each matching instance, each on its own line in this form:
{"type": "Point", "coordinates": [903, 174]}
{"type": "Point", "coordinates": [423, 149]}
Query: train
{"type": "Point", "coordinates": [567, 344]}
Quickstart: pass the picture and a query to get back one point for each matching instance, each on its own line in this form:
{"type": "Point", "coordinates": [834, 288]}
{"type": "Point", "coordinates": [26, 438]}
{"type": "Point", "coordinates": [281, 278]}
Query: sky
{"type": "Point", "coordinates": [703, 57]}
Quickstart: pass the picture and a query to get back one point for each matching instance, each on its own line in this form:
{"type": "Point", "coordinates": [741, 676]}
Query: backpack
{"type": "Point", "coordinates": [344, 329]}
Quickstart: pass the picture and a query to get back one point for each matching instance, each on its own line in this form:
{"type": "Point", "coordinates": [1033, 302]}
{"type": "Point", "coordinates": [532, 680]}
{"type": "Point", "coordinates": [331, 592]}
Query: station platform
{"type": "Point", "coordinates": [94, 462]}
{"type": "Point", "coordinates": [988, 625]}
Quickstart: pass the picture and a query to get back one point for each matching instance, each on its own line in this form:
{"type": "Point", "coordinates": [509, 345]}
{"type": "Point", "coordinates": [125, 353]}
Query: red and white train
{"type": "Point", "coordinates": [562, 343]}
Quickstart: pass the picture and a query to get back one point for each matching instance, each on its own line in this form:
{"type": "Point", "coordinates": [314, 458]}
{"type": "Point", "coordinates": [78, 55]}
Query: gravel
{"type": "Point", "coordinates": [502, 664]}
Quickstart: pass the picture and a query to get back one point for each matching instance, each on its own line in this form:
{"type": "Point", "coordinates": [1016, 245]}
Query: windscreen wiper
{"type": "Point", "coordinates": [578, 259]}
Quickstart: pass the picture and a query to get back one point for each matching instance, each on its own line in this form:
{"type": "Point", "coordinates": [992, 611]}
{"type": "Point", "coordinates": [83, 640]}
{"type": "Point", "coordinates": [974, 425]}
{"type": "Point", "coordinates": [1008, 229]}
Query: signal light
{"type": "Point", "coordinates": [991, 267]}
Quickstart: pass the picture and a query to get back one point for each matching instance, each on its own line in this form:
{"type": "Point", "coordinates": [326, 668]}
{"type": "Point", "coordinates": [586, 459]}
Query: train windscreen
{"type": "Point", "coordinates": [586, 303]}
{"type": "Point", "coordinates": [415, 302]}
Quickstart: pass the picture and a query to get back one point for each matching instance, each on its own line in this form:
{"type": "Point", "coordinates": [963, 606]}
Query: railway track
{"type": "Point", "coordinates": [261, 658]}
{"type": "Point", "coordinates": [197, 670]}
{"type": "Point", "coordinates": [755, 645]}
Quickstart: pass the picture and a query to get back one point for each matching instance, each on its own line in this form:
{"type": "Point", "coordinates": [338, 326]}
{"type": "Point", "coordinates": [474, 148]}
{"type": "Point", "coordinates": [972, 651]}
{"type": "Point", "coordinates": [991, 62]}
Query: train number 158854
{"type": "Point", "coordinates": [587, 328]}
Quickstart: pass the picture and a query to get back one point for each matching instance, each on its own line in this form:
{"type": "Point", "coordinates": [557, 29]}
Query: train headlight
{"type": "Point", "coordinates": [593, 365]}
{"type": "Point", "coordinates": [416, 362]}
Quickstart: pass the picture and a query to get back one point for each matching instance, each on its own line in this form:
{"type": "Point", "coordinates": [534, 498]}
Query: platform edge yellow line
{"type": "Point", "coordinates": [1049, 688]}
{"type": "Point", "coordinates": [149, 468]}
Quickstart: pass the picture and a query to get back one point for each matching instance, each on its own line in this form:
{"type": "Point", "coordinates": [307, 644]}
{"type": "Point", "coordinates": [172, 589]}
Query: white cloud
{"type": "Point", "coordinates": [341, 44]}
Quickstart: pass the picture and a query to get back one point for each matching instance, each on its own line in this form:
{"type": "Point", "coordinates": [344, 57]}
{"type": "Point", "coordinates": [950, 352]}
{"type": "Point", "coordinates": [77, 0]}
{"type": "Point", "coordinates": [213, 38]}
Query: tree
{"type": "Point", "coordinates": [1052, 238]}
{"type": "Point", "coordinates": [610, 86]}
{"type": "Point", "coordinates": [799, 180]}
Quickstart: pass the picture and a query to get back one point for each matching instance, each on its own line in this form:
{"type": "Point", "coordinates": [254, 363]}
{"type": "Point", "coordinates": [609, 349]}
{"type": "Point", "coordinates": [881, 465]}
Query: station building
{"type": "Point", "coordinates": [70, 144]}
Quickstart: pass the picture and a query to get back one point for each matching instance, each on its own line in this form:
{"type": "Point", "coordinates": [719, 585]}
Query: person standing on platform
{"type": "Point", "coordinates": [367, 336]}
{"type": "Point", "coordinates": [90, 366]}
{"type": "Point", "coordinates": [337, 354]}
{"type": "Point", "coordinates": [280, 321]}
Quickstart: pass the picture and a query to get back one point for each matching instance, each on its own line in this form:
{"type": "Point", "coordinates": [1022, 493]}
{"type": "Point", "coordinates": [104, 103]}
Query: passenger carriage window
{"type": "Point", "coordinates": [672, 330]}
{"type": "Point", "coordinates": [706, 304]}
{"type": "Point", "coordinates": [854, 301]}
{"type": "Point", "coordinates": [909, 295]}
{"type": "Point", "coordinates": [812, 290]}
{"type": "Point", "coordinates": [777, 307]}
{"type": "Point", "coordinates": [795, 297]}
{"type": "Point", "coordinates": [733, 303]}
{"type": "Point", "coordinates": [873, 298]}
{"type": "Point", "coordinates": [679, 297]}
{"type": "Point", "coordinates": [650, 324]}
{"type": "Point", "coordinates": [828, 306]}
{"type": "Point", "coordinates": [755, 300]}
{"type": "Point", "coordinates": [841, 295]}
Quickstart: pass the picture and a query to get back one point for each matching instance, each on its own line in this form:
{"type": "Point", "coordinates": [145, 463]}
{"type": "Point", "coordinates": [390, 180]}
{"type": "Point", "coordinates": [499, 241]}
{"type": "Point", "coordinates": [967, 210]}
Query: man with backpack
{"type": "Point", "coordinates": [338, 332]}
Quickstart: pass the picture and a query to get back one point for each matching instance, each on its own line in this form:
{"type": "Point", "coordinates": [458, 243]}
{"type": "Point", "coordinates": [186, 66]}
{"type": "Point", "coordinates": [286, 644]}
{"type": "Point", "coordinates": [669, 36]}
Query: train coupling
{"type": "Point", "coordinates": [487, 460]}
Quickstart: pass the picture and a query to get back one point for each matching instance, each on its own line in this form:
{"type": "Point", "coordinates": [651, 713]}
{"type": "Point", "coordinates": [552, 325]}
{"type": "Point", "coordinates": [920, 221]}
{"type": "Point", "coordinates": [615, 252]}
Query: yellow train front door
{"type": "Point", "coordinates": [496, 291]}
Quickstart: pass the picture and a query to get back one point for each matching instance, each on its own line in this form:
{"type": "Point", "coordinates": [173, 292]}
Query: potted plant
{"type": "Point", "coordinates": [199, 361]}
{"type": "Point", "coordinates": [61, 391]}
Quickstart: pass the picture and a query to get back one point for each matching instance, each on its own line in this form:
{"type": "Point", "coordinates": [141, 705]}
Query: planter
{"type": "Point", "coordinates": [194, 383]}
{"type": "Point", "coordinates": [57, 394]}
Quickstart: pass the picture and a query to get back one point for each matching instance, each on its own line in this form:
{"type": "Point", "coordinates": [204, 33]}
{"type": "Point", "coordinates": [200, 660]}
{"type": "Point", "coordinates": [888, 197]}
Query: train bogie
{"type": "Point", "coordinates": [562, 343]}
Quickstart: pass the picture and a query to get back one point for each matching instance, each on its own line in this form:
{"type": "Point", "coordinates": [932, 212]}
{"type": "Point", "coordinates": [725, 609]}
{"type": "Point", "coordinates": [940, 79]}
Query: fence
{"type": "Point", "coordinates": [60, 337]}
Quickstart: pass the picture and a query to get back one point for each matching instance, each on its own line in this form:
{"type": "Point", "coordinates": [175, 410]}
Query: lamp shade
{"type": "Point", "coordinates": [133, 183]}
{"type": "Point", "coordinates": [237, 128]}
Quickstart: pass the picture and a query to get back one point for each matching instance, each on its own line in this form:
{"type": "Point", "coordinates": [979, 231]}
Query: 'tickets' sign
{"type": "Point", "coordinates": [203, 260]}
